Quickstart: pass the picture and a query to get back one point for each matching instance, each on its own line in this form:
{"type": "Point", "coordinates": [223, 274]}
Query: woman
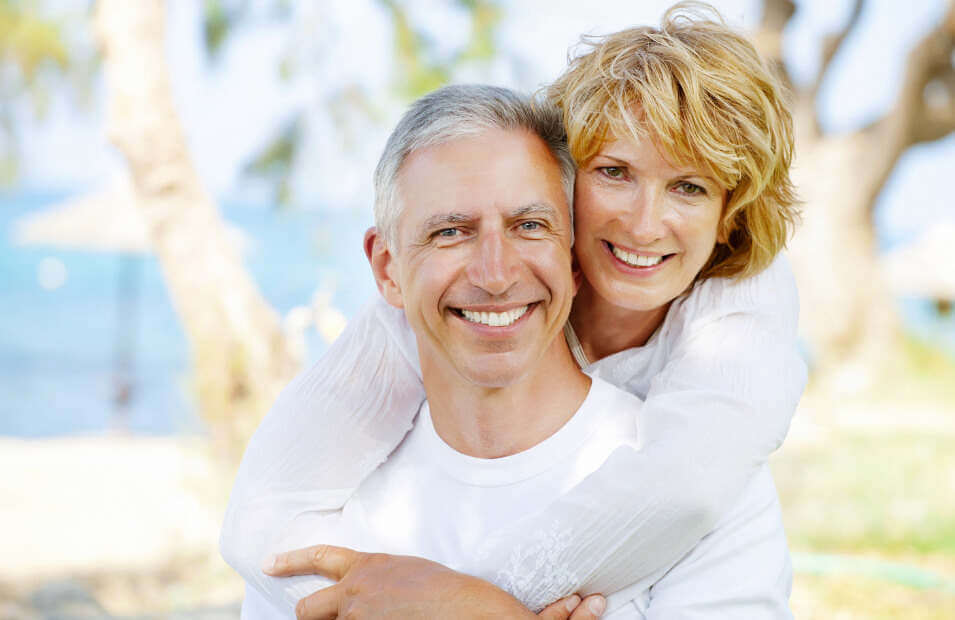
{"type": "Point", "coordinates": [682, 203]}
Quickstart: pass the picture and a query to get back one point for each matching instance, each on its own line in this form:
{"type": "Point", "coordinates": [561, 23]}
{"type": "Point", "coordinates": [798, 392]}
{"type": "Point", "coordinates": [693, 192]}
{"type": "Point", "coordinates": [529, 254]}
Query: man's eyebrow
{"type": "Point", "coordinates": [448, 220]}
{"type": "Point", "coordinates": [443, 220]}
{"type": "Point", "coordinates": [541, 209]}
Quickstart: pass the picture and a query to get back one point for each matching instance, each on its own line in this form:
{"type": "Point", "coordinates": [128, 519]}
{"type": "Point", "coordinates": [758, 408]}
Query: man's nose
{"type": "Point", "coordinates": [647, 215]}
{"type": "Point", "coordinates": [495, 266]}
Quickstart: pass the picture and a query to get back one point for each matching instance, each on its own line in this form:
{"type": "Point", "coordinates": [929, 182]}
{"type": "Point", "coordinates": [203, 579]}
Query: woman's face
{"type": "Point", "coordinates": [644, 228]}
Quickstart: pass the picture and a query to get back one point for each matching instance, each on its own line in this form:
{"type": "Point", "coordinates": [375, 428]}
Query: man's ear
{"type": "Point", "coordinates": [383, 266]}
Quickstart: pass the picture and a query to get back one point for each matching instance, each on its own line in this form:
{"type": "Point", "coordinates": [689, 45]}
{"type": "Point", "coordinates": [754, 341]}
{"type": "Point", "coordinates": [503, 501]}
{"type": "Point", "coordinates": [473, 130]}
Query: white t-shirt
{"type": "Point", "coordinates": [720, 378]}
{"type": "Point", "coordinates": [431, 501]}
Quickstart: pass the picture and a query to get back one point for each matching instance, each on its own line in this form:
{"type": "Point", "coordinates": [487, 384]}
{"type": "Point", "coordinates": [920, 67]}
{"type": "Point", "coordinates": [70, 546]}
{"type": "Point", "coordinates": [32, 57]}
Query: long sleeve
{"type": "Point", "coordinates": [740, 570]}
{"type": "Point", "coordinates": [330, 427]}
{"type": "Point", "coordinates": [722, 402]}
{"type": "Point", "coordinates": [721, 382]}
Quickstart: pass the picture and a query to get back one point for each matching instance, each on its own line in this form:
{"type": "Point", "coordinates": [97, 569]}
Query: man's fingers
{"type": "Point", "coordinates": [321, 605]}
{"type": "Point", "coordinates": [560, 610]}
{"type": "Point", "coordinates": [325, 560]}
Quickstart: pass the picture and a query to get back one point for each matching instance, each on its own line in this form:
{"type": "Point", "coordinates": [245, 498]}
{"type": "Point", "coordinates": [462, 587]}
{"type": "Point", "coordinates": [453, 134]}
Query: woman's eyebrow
{"type": "Point", "coordinates": [677, 172]}
{"type": "Point", "coordinates": [622, 162]}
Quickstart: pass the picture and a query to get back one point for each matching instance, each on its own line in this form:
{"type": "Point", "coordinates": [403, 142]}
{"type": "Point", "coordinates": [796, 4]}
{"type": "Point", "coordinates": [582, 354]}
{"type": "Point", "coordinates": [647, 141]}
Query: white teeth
{"type": "Point", "coordinates": [636, 260]}
{"type": "Point", "coordinates": [495, 319]}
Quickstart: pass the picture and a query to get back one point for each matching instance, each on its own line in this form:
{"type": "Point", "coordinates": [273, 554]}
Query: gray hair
{"type": "Point", "coordinates": [461, 111]}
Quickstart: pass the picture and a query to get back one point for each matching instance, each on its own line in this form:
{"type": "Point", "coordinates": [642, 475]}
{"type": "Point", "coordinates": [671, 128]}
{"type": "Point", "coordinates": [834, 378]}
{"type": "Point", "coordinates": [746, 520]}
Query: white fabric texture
{"type": "Point", "coordinates": [431, 501]}
{"type": "Point", "coordinates": [720, 380]}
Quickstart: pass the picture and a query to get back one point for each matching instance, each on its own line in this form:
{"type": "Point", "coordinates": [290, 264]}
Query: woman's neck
{"type": "Point", "coordinates": [604, 328]}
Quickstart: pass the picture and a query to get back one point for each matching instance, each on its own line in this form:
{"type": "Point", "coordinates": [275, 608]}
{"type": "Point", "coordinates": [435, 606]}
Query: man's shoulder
{"type": "Point", "coordinates": [603, 393]}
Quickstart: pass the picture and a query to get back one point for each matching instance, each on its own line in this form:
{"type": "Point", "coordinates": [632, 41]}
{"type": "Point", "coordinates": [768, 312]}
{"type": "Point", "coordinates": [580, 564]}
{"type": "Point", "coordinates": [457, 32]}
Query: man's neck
{"type": "Point", "coordinates": [492, 422]}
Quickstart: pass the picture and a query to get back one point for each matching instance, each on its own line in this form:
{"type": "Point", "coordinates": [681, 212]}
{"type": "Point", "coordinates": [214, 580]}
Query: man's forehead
{"type": "Point", "coordinates": [508, 172]}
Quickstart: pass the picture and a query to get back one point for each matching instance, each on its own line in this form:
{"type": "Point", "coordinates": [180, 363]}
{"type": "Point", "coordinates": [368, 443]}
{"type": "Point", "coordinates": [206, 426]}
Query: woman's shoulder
{"type": "Point", "coordinates": [770, 295]}
{"type": "Point", "coordinates": [772, 289]}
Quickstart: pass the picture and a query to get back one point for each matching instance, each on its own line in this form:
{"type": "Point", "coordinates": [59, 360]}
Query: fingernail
{"type": "Point", "coordinates": [572, 602]}
{"type": "Point", "coordinates": [269, 564]}
{"type": "Point", "coordinates": [597, 605]}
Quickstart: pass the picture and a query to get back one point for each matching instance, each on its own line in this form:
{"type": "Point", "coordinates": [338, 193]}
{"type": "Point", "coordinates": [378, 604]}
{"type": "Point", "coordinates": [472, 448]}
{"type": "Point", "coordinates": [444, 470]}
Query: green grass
{"type": "Point", "coordinates": [887, 491]}
{"type": "Point", "coordinates": [868, 495]}
{"type": "Point", "coordinates": [851, 596]}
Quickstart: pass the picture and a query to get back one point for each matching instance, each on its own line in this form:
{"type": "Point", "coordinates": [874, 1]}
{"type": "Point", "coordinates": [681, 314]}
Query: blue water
{"type": "Point", "coordinates": [58, 347]}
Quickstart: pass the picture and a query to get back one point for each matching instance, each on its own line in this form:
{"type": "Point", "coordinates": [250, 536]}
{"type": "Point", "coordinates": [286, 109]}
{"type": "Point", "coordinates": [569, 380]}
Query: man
{"type": "Point", "coordinates": [474, 245]}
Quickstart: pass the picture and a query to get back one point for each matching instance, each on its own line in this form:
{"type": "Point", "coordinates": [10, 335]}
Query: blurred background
{"type": "Point", "coordinates": [185, 185]}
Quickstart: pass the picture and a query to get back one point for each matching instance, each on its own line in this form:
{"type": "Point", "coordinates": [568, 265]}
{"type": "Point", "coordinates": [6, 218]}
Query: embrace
{"type": "Point", "coordinates": [584, 352]}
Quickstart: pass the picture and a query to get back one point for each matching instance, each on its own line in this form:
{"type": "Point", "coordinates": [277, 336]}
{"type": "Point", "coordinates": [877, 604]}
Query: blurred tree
{"type": "Point", "coordinates": [848, 314]}
{"type": "Point", "coordinates": [419, 67]}
{"type": "Point", "coordinates": [240, 355]}
{"type": "Point", "coordinates": [32, 50]}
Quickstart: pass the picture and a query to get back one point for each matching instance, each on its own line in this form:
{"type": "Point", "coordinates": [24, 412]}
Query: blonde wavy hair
{"type": "Point", "coordinates": [707, 99]}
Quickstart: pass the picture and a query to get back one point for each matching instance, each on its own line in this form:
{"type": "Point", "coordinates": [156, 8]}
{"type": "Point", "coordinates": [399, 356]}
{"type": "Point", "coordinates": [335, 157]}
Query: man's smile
{"type": "Point", "coordinates": [494, 318]}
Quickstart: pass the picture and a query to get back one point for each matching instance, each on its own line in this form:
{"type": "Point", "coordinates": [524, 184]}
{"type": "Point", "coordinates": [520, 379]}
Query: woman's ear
{"type": "Point", "coordinates": [725, 225]}
{"type": "Point", "coordinates": [383, 266]}
{"type": "Point", "coordinates": [577, 273]}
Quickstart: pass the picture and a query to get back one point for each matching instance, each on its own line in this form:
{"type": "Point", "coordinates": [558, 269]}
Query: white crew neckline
{"type": "Point", "coordinates": [523, 465]}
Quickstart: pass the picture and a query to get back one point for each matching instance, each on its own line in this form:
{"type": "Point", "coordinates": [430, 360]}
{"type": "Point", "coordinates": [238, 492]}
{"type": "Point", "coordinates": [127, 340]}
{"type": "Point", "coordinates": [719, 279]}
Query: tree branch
{"type": "Point", "coordinates": [769, 38]}
{"type": "Point", "coordinates": [929, 88]}
{"type": "Point", "coordinates": [925, 107]}
{"type": "Point", "coordinates": [831, 45]}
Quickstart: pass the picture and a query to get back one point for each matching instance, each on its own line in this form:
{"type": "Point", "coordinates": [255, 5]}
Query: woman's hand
{"type": "Point", "coordinates": [374, 585]}
{"type": "Point", "coordinates": [572, 608]}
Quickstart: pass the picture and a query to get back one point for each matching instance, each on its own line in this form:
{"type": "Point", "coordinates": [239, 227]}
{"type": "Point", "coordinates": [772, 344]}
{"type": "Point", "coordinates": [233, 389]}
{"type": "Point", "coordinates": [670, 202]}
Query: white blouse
{"type": "Point", "coordinates": [721, 378]}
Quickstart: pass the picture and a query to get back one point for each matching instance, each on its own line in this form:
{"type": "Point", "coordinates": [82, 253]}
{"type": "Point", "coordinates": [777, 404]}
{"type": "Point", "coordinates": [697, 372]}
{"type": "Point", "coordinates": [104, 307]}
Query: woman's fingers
{"type": "Point", "coordinates": [322, 605]}
{"type": "Point", "coordinates": [573, 608]}
{"type": "Point", "coordinates": [325, 560]}
{"type": "Point", "coordinates": [591, 607]}
{"type": "Point", "coordinates": [561, 609]}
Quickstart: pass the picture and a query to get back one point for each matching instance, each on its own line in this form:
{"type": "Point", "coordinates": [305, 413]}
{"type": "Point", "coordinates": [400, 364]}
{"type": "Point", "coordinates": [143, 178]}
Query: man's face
{"type": "Point", "coordinates": [482, 263]}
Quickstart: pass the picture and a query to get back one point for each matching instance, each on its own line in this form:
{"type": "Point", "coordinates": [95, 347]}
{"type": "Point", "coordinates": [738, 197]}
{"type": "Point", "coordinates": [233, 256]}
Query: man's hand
{"type": "Point", "coordinates": [377, 585]}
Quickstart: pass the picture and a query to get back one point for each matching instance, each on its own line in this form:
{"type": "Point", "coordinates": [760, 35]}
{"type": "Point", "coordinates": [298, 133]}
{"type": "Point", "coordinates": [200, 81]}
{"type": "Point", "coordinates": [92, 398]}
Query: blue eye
{"type": "Point", "coordinates": [447, 232]}
{"type": "Point", "coordinates": [530, 226]}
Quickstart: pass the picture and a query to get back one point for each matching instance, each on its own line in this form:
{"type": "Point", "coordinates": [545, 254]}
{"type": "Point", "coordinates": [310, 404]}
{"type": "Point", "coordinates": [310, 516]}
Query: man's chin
{"type": "Point", "coordinates": [494, 372]}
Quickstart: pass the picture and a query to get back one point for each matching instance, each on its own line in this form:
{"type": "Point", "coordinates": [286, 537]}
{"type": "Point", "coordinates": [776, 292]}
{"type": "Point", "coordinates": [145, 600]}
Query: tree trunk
{"type": "Point", "coordinates": [240, 355]}
{"type": "Point", "coordinates": [848, 315]}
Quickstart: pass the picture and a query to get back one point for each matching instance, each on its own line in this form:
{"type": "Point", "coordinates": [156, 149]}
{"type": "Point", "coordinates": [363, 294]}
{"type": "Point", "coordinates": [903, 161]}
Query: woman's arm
{"type": "Point", "coordinates": [719, 407]}
{"type": "Point", "coordinates": [376, 585]}
{"type": "Point", "coordinates": [327, 431]}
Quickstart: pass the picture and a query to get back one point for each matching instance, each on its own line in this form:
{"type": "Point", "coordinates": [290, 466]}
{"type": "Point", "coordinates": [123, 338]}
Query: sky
{"type": "Point", "coordinates": [230, 108]}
